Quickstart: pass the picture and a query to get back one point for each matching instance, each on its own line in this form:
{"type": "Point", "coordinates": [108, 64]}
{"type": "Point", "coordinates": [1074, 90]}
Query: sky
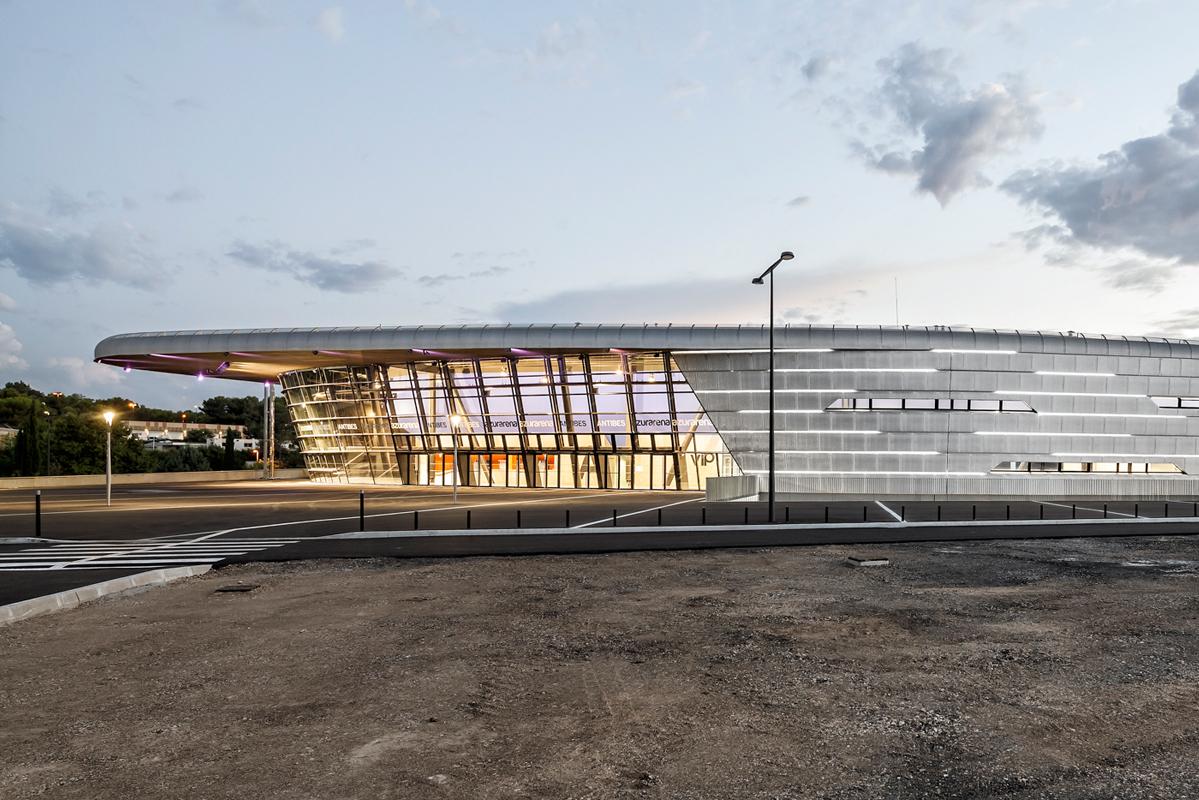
{"type": "Point", "coordinates": [201, 164]}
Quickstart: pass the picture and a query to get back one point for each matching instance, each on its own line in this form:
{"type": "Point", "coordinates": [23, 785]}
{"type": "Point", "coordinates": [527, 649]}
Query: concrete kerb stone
{"type": "Point", "coordinates": [60, 601]}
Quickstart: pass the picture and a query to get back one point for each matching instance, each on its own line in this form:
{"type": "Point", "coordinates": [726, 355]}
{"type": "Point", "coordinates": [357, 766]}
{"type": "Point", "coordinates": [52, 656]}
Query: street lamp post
{"type": "Point", "coordinates": [786, 255]}
{"type": "Point", "coordinates": [108, 415]}
{"type": "Point", "coordinates": [455, 422]}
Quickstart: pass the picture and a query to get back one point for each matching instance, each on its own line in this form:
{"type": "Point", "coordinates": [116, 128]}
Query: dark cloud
{"type": "Point", "coordinates": [187, 104]}
{"type": "Point", "coordinates": [816, 67]}
{"type": "Point", "coordinates": [799, 201]}
{"type": "Point", "coordinates": [960, 131]}
{"type": "Point", "coordinates": [1144, 196]}
{"type": "Point", "coordinates": [321, 272]}
{"type": "Point", "coordinates": [49, 254]}
{"type": "Point", "coordinates": [185, 194]}
{"type": "Point", "coordinates": [1182, 325]}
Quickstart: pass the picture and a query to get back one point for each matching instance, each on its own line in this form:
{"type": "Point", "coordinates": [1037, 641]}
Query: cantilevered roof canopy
{"type": "Point", "coordinates": [262, 354]}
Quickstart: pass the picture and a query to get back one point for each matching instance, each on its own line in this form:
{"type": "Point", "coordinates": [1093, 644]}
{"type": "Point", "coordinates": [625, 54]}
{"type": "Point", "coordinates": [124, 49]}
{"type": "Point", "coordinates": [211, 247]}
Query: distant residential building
{"type": "Point", "coordinates": [7, 433]}
{"type": "Point", "coordinates": [162, 435]}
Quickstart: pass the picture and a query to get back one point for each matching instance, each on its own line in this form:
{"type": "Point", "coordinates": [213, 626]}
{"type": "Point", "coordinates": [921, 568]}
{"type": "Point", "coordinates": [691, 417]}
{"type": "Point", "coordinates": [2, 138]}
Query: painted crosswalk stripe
{"type": "Point", "coordinates": [206, 549]}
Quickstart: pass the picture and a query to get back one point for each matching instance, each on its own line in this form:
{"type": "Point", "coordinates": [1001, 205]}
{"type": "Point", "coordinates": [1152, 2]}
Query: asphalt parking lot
{"type": "Point", "coordinates": [84, 541]}
{"type": "Point", "coordinates": [300, 509]}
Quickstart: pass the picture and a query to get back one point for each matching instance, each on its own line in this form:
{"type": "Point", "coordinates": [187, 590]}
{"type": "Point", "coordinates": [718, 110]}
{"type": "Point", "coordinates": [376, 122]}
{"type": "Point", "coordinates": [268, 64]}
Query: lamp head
{"type": "Point", "coordinates": [108, 415]}
{"type": "Point", "coordinates": [786, 255]}
{"type": "Point", "coordinates": [455, 421]}
{"type": "Point", "coordinates": [758, 281]}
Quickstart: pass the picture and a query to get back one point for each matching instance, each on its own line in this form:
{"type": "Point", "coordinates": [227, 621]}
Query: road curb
{"type": "Point", "coordinates": [48, 604]}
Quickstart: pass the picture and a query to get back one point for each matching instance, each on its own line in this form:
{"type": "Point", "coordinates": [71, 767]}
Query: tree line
{"type": "Point", "coordinates": [64, 434]}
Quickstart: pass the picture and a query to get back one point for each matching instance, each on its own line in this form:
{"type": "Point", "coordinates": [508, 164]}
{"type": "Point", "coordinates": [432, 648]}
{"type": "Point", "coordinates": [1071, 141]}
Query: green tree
{"type": "Point", "coordinates": [231, 449]}
{"type": "Point", "coordinates": [29, 442]}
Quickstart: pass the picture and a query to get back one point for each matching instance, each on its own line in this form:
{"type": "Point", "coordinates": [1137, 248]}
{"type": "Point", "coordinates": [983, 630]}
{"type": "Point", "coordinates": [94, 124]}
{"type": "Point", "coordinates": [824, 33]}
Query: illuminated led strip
{"type": "Point", "coordinates": [863, 369]}
{"type": "Point", "coordinates": [1077, 374]}
{"type": "Point", "coordinates": [777, 391]}
{"type": "Point", "coordinates": [984, 352]}
{"type": "Point", "coordinates": [1067, 394]}
{"type": "Point", "coordinates": [856, 472]}
{"type": "Point", "coordinates": [740, 352]}
{"type": "Point", "coordinates": [782, 411]}
{"type": "Point", "coordinates": [1097, 414]}
{"type": "Point", "coordinates": [797, 433]}
{"type": "Point", "coordinates": [1127, 455]}
{"type": "Point", "coordinates": [857, 452]}
{"type": "Point", "coordinates": [1043, 433]}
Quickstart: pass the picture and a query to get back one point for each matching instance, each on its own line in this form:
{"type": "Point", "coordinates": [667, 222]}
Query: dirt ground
{"type": "Point", "coordinates": [1026, 669]}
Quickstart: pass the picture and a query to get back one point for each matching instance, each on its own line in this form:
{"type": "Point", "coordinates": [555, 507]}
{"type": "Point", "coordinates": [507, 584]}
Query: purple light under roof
{"type": "Point", "coordinates": [128, 368]}
{"type": "Point", "coordinates": [522, 352]}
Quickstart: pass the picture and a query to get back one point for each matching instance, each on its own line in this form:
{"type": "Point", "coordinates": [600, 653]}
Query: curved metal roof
{"type": "Point", "coordinates": [263, 353]}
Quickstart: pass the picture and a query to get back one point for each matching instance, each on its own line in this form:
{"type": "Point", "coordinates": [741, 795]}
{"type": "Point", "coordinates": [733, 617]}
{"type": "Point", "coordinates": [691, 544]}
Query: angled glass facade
{"type": "Point", "coordinates": [588, 420]}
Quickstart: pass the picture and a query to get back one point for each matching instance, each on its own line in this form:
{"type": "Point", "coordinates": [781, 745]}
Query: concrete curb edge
{"type": "Point", "coordinates": [36, 606]}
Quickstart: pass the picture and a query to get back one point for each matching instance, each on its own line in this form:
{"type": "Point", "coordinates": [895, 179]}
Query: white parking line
{"type": "Point", "coordinates": [1087, 508]}
{"type": "Point", "coordinates": [635, 513]}
{"type": "Point", "coordinates": [879, 503]}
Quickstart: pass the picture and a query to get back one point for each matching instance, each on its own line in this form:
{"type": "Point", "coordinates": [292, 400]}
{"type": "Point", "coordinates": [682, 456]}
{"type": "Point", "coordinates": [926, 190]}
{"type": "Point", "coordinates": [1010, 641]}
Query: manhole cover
{"type": "Point", "coordinates": [238, 587]}
{"type": "Point", "coordinates": [856, 561]}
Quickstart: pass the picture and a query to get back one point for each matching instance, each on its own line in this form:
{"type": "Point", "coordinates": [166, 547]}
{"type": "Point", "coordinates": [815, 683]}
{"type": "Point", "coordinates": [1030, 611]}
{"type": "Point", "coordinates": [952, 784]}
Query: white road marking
{"type": "Point", "coordinates": [879, 503]}
{"type": "Point", "coordinates": [635, 513]}
{"type": "Point", "coordinates": [106, 555]}
{"type": "Point", "coordinates": [1086, 508]}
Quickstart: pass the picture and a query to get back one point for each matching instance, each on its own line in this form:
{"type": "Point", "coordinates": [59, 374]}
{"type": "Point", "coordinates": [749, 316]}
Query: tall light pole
{"type": "Point", "coordinates": [786, 255]}
{"type": "Point", "coordinates": [455, 422]}
{"type": "Point", "coordinates": [108, 415]}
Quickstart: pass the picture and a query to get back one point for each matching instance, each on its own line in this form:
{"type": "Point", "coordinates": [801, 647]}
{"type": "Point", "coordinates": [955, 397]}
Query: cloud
{"type": "Point", "coordinates": [331, 23]}
{"type": "Point", "coordinates": [46, 254]}
{"type": "Point", "coordinates": [85, 374]}
{"type": "Point", "coordinates": [187, 104]}
{"type": "Point", "coordinates": [799, 201]}
{"type": "Point", "coordinates": [558, 41]}
{"type": "Point", "coordinates": [432, 281]}
{"type": "Point", "coordinates": [1143, 197]}
{"type": "Point", "coordinates": [10, 348]}
{"type": "Point", "coordinates": [816, 67]}
{"type": "Point", "coordinates": [62, 203]}
{"type": "Point", "coordinates": [682, 89]}
{"type": "Point", "coordinates": [185, 194]}
{"type": "Point", "coordinates": [1183, 325]}
{"type": "Point", "coordinates": [960, 131]}
{"type": "Point", "coordinates": [7, 303]}
{"type": "Point", "coordinates": [324, 273]}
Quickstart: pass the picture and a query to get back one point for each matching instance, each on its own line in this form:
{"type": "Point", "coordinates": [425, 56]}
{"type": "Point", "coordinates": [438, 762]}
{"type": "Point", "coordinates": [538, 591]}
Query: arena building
{"type": "Point", "coordinates": [863, 411]}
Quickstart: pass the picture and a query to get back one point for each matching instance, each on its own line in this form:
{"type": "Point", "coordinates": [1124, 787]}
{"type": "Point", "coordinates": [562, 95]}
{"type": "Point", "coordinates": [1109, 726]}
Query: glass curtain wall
{"type": "Point", "coordinates": [591, 421]}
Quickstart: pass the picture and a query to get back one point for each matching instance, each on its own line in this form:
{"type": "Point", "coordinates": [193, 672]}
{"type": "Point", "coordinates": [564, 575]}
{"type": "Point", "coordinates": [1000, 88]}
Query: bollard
{"type": "Point", "coordinates": [468, 519]}
{"type": "Point", "coordinates": [37, 514]}
{"type": "Point", "coordinates": [746, 521]}
{"type": "Point", "coordinates": [826, 515]}
{"type": "Point", "coordinates": [1136, 509]}
{"type": "Point", "coordinates": [1040, 510]}
{"type": "Point", "coordinates": [865, 511]}
{"type": "Point", "coordinates": [568, 517]}
{"type": "Point", "coordinates": [518, 517]}
{"type": "Point", "coordinates": [1195, 509]}
{"type": "Point", "coordinates": [938, 512]}
{"type": "Point", "coordinates": [703, 515]}
{"type": "Point", "coordinates": [1008, 511]}
{"type": "Point", "coordinates": [361, 509]}
{"type": "Point", "coordinates": [659, 518]}
{"type": "Point", "coordinates": [1166, 510]}
{"type": "Point", "coordinates": [415, 520]}
{"type": "Point", "coordinates": [614, 518]}
{"type": "Point", "coordinates": [903, 513]}
{"type": "Point", "coordinates": [1105, 510]}
{"type": "Point", "coordinates": [1074, 511]}
{"type": "Point", "coordinates": [786, 513]}
{"type": "Point", "coordinates": [973, 512]}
